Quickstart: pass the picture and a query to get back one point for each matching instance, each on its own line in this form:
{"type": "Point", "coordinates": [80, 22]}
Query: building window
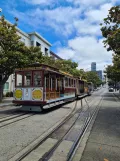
{"type": "Point", "coordinates": [6, 86]}
{"type": "Point", "coordinates": [23, 40]}
{"type": "Point", "coordinates": [46, 51]}
{"type": "Point", "coordinates": [32, 43]}
{"type": "Point", "coordinates": [38, 44]}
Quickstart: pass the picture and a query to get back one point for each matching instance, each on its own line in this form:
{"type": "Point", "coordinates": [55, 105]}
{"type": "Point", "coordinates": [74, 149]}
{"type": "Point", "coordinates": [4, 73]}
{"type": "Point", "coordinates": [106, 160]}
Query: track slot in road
{"type": "Point", "coordinates": [13, 119]}
{"type": "Point", "coordinates": [56, 137]}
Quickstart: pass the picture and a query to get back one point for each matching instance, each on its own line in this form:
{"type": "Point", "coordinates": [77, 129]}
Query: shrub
{"type": "Point", "coordinates": [9, 94]}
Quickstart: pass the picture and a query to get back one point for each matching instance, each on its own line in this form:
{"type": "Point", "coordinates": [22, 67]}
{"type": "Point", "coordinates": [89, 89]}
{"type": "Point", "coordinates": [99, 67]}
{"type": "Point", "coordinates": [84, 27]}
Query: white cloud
{"type": "Point", "coordinates": [91, 3]}
{"type": "Point", "coordinates": [60, 19]}
{"type": "Point", "coordinates": [66, 20]}
{"type": "Point", "coordinates": [66, 53]}
{"type": "Point", "coordinates": [59, 15]}
{"type": "Point", "coordinates": [85, 50]}
{"type": "Point", "coordinates": [85, 27]}
{"type": "Point", "coordinates": [81, 19]}
{"type": "Point", "coordinates": [97, 15]}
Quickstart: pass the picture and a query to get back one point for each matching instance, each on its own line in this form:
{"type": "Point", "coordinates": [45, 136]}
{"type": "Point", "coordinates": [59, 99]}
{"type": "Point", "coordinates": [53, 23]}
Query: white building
{"type": "Point", "coordinates": [35, 39]}
{"type": "Point", "coordinates": [30, 39]}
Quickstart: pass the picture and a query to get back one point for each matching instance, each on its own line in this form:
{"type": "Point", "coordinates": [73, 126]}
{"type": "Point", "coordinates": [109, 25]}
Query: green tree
{"type": "Point", "coordinates": [83, 74]}
{"type": "Point", "coordinates": [93, 77]}
{"type": "Point", "coordinates": [111, 30]}
{"type": "Point", "coordinates": [65, 65]}
{"type": "Point", "coordinates": [13, 53]}
{"type": "Point", "coordinates": [48, 60]}
{"type": "Point", "coordinates": [113, 74]}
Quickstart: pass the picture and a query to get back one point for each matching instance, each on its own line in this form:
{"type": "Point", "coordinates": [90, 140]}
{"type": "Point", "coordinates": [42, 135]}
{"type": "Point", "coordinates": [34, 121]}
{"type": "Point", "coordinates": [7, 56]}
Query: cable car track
{"type": "Point", "coordinates": [12, 119]}
{"type": "Point", "coordinates": [6, 114]}
{"type": "Point", "coordinates": [82, 132]}
{"type": "Point", "coordinates": [73, 113]}
{"type": "Point", "coordinates": [49, 154]}
{"type": "Point", "coordinates": [41, 141]}
{"type": "Point", "coordinates": [76, 144]}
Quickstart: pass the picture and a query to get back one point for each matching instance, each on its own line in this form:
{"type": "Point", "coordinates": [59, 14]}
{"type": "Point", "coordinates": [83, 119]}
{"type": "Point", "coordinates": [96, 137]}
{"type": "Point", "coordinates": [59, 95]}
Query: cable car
{"type": "Point", "coordinates": [41, 86]}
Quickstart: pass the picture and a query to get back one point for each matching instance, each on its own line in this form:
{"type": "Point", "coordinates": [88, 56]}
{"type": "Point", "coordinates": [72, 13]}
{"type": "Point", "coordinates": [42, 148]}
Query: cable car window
{"type": "Point", "coordinates": [58, 84]}
{"type": "Point", "coordinates": [47, 82]}
{"type": "Point", "coordinates": [69, 82]}
{"type": "Point", "coordinates": [27, 78]}
{"type": "Point", "coordinates": [53, 83]}
{"type": "Point", "coordinates": [37, 79]}
{"type": "Point", "coordinates": [66, 82]}
{"type": "Point", "coordinates": [74, 83]}
{"type": "Point", "coordinates": [19, 79]}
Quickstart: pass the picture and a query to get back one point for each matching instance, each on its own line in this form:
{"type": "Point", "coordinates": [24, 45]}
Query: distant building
{"type": "Point", "coordinates": [99, 72]}
{"type": "Point", "coordinates": [93, 66]}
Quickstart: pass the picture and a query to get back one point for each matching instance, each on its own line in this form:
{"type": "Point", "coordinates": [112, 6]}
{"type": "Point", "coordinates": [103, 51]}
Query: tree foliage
{"type": "Point", "coordinates": [93, 77]}
{"type": "Point", "coordinates": [65, 65]}
{"type": "Point", "coordinates": [111, 30]}
{"type": "Point", "coordinates": [113, 73]}
{"type": "Point", "coordinates": [13, 53]}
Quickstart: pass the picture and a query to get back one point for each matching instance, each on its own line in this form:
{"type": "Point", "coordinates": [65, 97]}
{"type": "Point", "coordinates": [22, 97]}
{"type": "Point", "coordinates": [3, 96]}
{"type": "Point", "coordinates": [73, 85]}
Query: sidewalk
{"type": "Point", "coordinates": [117, 94]}
{"type": "Point", "coordinates": [6, 101]}
{"type": "Point", "coordinates": [103, 143]}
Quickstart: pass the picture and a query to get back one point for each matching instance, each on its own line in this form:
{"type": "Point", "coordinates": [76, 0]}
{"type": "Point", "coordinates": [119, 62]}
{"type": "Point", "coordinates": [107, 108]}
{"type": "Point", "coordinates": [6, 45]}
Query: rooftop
{"type": "Point", "coordinates": [40, 37]}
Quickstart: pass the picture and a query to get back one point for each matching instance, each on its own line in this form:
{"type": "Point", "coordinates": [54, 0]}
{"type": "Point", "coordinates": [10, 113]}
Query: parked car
{"type": "Point", "coordinates": [111, 89]}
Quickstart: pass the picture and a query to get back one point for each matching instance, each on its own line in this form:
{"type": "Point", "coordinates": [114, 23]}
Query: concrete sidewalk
{"type": "Point", "coordinates": [6, 101]}
{"type": "Point", "coordinates": [103, 143]}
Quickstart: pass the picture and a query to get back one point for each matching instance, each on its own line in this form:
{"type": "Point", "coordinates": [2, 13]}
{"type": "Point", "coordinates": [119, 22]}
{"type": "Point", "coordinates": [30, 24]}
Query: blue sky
{"type": "Point", "coordinates": [71, 26]}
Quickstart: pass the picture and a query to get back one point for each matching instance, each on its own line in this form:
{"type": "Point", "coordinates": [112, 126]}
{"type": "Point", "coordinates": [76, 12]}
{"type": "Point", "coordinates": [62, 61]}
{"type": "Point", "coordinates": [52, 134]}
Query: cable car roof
{"type": "Point", "coordinates": [38, 66]}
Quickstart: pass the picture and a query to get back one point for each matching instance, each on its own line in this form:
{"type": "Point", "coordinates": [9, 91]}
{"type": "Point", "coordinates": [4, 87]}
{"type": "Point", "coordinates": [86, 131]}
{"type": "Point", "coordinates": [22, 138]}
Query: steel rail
{"type": "Point", "coordinates": [8, 123]}
{"type": "Point", "coordinates": [82, 132]}
{"type": "Point", "coordinates": [47, 136]}
{"type": "Point", "coordinates": [25, 154]}
{"type": "Point", "coordinates": [10, 117]}
{"type": "Point", "coordinates": [48, 155]}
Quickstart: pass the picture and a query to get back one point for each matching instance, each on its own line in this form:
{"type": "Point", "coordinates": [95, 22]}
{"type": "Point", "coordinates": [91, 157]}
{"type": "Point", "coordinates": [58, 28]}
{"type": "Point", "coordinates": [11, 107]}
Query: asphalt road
{"type": "Point", "coordinates": [103, 143]}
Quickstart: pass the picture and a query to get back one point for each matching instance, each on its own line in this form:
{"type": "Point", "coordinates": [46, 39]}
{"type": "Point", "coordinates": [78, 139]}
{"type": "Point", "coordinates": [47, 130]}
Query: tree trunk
{"type": "Point", "coordinates": [1, 92]}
